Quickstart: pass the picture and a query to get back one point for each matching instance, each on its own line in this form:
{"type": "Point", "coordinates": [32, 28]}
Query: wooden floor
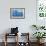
{"type": "Point", "coordinates": [13, 44]}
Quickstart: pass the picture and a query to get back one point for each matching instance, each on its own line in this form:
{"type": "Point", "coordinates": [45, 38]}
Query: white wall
{"type": "Point", "coordinates": [23, 24]}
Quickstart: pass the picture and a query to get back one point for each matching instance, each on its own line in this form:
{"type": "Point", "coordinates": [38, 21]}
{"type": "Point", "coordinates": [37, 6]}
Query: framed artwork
{"type": "Point", "coordinates": [41, 12]}
{"type": "Point", "coordinates": [17, 13]}
{"type": "Point", "coordinates": [41, 8]}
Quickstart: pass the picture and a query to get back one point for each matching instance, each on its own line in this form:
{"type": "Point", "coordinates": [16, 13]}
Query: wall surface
{"type": "Point", "coordinates": [23, 24]}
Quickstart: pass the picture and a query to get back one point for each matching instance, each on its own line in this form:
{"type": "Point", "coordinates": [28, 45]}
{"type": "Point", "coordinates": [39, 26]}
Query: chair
{"type": "Point", "coordinates": [26, 41]}
{"type": "Point", "coordinates": [14, 32]}
{"type": "Point", "coordinates": [7, 35]}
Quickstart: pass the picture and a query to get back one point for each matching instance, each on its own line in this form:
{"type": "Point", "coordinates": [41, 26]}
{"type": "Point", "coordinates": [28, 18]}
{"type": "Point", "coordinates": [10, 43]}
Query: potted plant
{"type": "Point", "coordinates": [39, 35]}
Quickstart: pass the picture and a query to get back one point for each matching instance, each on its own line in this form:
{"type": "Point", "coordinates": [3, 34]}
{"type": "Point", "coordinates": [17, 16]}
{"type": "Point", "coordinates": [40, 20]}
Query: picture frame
{"type": "Point", "coordinates": [17, 13]}
{"type": "Point", "coordinates": [40, 12]}
{"type": "Point", "coordinates": [41, 8]}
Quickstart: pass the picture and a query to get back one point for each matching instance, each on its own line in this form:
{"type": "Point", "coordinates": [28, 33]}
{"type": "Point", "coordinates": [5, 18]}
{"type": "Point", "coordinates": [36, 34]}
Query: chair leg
{"type": "Point", "coordinates": [5, 43]}
{"type": "Point", "coordinates": [5, 40]}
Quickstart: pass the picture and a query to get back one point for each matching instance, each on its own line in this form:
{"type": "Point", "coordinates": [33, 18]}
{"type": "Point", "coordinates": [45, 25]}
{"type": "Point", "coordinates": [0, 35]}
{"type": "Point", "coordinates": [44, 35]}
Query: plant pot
{"type": "Point", "coordinates": [40, 41]}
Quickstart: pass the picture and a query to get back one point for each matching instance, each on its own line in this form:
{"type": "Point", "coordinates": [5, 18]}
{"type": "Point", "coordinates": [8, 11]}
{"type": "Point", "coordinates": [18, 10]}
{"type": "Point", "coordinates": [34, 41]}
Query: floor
{"type": "Point", "coordinates": [13, 44]}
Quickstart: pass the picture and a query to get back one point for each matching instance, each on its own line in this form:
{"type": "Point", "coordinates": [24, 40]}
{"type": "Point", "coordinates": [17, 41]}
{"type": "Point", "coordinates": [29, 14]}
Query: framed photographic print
{"type": "Point", "coordinates": [17, 13]}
